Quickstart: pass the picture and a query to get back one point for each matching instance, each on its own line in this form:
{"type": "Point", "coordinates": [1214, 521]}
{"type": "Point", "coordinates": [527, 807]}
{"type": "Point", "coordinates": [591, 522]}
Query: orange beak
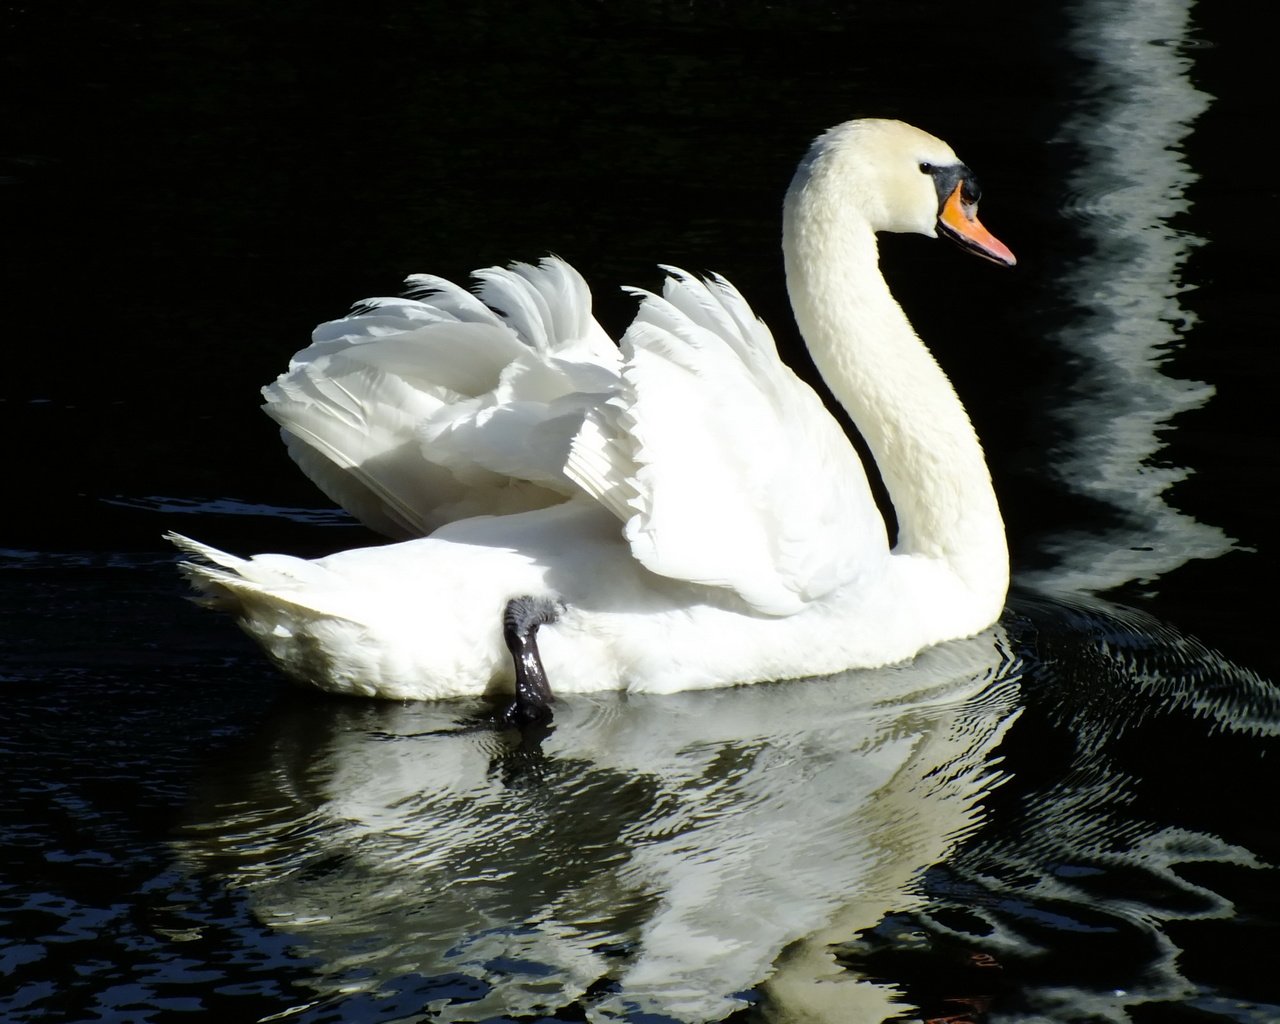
{"type": "Point", "coordinates": [959, 221]}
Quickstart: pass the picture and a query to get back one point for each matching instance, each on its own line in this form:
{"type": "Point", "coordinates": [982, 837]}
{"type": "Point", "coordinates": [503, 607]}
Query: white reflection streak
{"type": "Point", "coordinates": [1137, 106]}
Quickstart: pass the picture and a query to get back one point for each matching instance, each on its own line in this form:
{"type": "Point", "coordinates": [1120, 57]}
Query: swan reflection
{"type": "Point", "coordinates": [654, 854]}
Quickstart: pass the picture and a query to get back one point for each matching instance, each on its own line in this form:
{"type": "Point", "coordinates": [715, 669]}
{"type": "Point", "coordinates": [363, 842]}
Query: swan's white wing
{"type": "Point", "coordinates": [724, 466]}
{"type": "Point", "coordinates": [412, 412]}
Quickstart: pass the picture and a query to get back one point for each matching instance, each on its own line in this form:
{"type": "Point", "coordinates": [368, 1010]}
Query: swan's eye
{"type": "Point", "coordinates": [926, 168]}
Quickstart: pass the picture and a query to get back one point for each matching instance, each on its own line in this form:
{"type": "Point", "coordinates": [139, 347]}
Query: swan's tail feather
{"type": "Point", "coordinates": [204, 551]}
{"type": "Point", "coordinates": [229, 583]}
{"type": "Point", "coordinates": [215, 575]}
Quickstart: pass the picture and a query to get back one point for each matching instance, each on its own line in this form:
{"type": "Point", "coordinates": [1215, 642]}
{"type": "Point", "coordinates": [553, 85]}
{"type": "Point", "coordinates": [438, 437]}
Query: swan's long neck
{"type": "Point", "coordinates": [902, 403]}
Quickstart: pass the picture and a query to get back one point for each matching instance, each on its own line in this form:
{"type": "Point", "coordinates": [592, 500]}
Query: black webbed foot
{"type": "Point", "coordinates": [520, 622]}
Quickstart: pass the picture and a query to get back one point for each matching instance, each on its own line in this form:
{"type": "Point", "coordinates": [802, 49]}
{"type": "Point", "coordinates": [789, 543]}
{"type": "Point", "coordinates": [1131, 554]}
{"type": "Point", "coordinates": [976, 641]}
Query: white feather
{"type": "Point", "coordinates": [724, 465]}
{"type": "Point", "coordinates": [411, 413]}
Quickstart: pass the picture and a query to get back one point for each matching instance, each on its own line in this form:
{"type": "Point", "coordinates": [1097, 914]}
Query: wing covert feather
{"type": "Point", "coordinates": [724, 466]}
{"type": "Point", "coordinates": [412, 412]}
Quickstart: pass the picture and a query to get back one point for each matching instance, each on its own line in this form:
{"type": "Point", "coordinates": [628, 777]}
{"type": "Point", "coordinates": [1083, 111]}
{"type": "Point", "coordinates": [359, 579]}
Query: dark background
{"type": "Point", "coordinates": [186, 188]}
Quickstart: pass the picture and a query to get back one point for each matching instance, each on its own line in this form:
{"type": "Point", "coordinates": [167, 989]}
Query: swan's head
{"type": "Point", "coordinates": [900, 179]}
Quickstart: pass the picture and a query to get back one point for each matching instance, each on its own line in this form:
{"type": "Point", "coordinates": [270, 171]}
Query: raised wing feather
{"type": "Point", "coordinates": [724, 466]}
{"type": "Point", "coordinates": [413, 412]}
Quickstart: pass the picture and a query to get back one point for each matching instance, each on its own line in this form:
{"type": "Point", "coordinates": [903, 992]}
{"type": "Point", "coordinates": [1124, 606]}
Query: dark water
{"type": "Point", "coordinates": [1070, 818]}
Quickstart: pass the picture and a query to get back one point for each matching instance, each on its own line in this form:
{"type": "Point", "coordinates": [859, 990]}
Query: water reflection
{"type": "Point", "coordinates": [656, 854]}
{"type": "Point", "coordinates": [1135, 106]}
{"type": "Point", "coordinates": [1125, 879]}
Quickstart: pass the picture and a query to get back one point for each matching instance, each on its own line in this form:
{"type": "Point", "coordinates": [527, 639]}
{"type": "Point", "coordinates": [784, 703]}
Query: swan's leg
{"type": "Point", "coordinates": [520, 624]}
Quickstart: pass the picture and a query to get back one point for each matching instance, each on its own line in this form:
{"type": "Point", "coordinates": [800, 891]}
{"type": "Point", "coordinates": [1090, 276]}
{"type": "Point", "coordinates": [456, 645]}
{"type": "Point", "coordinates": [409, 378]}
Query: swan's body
{"type": "Point", "coordinates": [686, 504]}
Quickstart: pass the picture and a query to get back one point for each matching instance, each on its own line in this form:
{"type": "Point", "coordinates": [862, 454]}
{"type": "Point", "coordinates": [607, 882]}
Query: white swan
{"type": "Point", "coordinates": [682, 513]}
